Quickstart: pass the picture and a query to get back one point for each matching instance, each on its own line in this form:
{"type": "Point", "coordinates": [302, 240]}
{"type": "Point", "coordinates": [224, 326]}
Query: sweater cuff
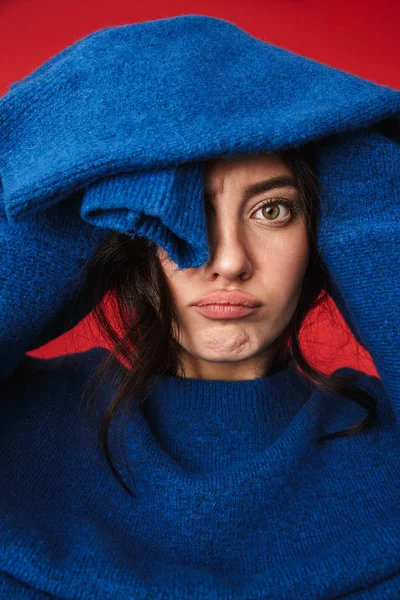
{"type": "Point", "coordinates": [164, 205]}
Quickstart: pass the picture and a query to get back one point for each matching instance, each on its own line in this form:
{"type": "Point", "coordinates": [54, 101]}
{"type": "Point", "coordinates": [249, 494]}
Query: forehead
{"type": "Point", "coordinates": [241, 171]}
{"type": "Point", "coordinates": [270, 163]}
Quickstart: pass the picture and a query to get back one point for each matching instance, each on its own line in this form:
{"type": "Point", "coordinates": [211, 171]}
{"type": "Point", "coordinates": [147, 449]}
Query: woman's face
{"type": "Point", "coordinates": [263, 252]}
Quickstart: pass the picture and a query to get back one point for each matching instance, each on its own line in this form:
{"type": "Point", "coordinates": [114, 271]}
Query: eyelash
{"type": "Point", "coordinates": [290, 204]}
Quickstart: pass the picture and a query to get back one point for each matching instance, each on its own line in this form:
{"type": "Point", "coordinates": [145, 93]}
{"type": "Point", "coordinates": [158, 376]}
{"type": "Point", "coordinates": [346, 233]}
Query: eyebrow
{"type": "Point", "coordinates": [280, 181]}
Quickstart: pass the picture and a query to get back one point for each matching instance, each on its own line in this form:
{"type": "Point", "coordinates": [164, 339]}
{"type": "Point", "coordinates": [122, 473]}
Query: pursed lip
{"type": "Point", "coordinates": [224, 298]}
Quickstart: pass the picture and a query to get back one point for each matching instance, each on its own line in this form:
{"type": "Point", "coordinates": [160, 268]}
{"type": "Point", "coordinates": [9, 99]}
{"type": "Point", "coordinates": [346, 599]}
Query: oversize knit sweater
{"type": "Point", "coordinates": [236, 497]}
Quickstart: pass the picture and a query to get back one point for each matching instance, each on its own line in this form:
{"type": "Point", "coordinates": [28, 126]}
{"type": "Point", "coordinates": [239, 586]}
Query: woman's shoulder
{"type": "Point", "coordinates": [371, 384]}
{"type": "Point", "coordinates": [43, 386]}
{"type": "Point", "coordinates": [57, 367]}
{"type": "Point", "coordinates": [85, 360]}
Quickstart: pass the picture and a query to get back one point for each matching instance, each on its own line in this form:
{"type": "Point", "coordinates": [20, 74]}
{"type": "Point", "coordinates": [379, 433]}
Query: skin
{"type": "Point", "coordinates": [261, 251]}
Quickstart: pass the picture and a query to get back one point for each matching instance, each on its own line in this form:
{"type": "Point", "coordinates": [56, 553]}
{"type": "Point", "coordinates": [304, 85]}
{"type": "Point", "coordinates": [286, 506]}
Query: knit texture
{"type": "Point", "coordinates": [237, 499]}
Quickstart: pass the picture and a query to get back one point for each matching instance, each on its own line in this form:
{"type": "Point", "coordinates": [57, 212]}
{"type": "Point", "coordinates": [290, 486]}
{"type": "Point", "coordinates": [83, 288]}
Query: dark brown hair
{"type": "Point", "coordinates": [126, 293]}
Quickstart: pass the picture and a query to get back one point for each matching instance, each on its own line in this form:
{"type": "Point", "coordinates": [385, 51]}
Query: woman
{"type": "Point", "coordinates": [243, 471]}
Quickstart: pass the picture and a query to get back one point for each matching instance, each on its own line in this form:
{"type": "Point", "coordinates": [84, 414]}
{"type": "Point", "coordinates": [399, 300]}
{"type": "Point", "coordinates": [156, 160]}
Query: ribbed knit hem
{"type": "Point", "coordinates": [165, 206]}
{"type": "Point", "coordinates": [274, 395]}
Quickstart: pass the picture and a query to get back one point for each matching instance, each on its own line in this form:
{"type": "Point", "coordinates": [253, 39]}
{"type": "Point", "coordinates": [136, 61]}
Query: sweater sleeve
{"type": "Point", "coordinates": [359, 240]}
{"type": "Point", "coordinates": [41, 269]}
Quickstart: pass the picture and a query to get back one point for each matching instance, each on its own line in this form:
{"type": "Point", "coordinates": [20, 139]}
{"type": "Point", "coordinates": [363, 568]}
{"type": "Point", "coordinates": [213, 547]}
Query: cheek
{"type": "Point", "coordinates": [169, 267]}
{"type": "Point", "coordinates": [295, 259]}
{"type": "Point", "coordinates": [280, 259]}
{"type": "Point", "coordinates": [179, 282]}
{"type": "Point", "coordinates": [180, 290]}
{"type": "Point", "coordinates": [284, 250]}
{"type": "Point", "coordinates": [285, 274]}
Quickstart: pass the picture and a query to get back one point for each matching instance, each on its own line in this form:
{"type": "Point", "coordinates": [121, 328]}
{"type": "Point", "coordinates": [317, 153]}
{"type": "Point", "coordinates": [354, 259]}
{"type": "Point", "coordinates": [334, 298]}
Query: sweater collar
{"type": "Point", "coordinates": [205, 424]}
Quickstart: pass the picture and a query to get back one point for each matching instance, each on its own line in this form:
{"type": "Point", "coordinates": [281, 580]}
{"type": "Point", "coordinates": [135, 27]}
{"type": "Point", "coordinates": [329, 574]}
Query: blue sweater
{"type": "Point", "coordinates": [237, 499]}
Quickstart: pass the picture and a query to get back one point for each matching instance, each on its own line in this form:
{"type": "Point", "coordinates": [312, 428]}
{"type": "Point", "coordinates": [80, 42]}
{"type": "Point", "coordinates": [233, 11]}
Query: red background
{"type": "Point", "coordinates": [358, 36]}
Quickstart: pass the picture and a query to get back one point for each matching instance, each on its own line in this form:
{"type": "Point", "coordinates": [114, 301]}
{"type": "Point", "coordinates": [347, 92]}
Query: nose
{"type": "Point", "coordinates": [229, 252]}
